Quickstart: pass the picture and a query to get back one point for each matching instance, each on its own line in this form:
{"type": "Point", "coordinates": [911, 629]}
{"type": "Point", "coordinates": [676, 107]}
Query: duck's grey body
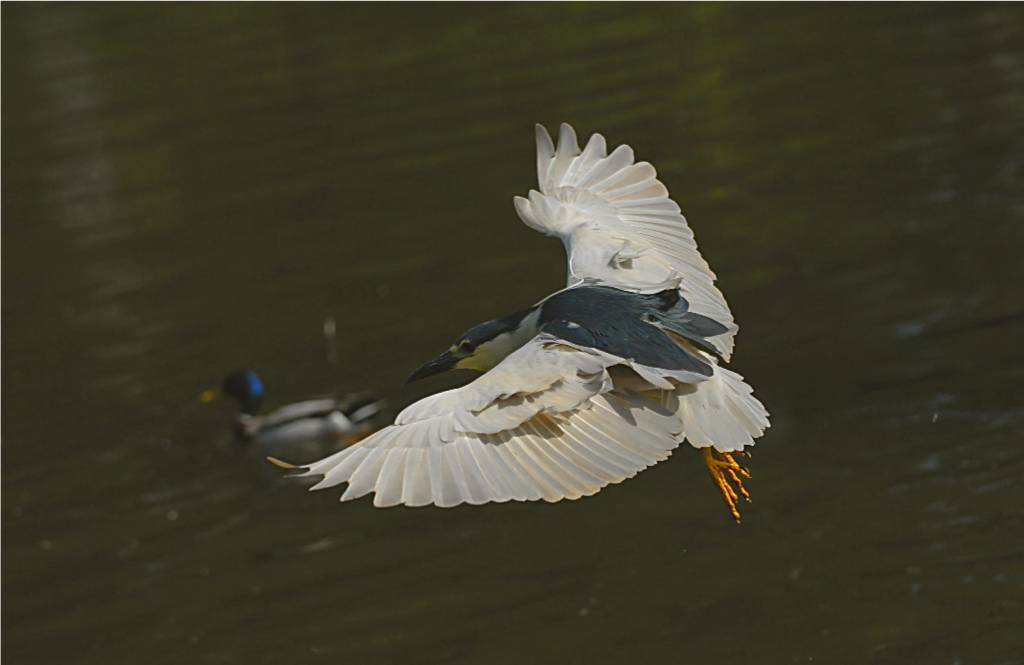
{"type": "Point", "coordinates": [301, 430]}
{"type": "Point", "coordinates": [308, 429]}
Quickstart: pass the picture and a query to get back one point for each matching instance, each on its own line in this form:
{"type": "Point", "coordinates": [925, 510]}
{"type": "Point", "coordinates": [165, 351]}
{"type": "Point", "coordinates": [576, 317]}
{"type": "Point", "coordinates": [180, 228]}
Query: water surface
{"type": "Point", "coordinates": [192, 188]}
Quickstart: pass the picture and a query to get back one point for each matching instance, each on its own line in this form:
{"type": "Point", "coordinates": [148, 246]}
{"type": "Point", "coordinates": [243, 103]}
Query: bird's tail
{"type": "Point", "coordinates": [722, 412]}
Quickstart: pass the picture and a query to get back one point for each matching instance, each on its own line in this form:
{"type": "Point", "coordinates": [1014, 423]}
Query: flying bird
{"type": "Point", "coordinates": [592, 384]}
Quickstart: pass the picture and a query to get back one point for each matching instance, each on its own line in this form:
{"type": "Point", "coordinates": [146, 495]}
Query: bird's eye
{"type": "Point", "coordinates": [466, 346]}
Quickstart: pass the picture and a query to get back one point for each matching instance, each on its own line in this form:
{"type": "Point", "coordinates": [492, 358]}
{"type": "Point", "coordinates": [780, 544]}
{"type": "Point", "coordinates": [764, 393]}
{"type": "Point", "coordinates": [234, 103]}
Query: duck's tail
{"type": "Point", "coordinates": [363, 409]}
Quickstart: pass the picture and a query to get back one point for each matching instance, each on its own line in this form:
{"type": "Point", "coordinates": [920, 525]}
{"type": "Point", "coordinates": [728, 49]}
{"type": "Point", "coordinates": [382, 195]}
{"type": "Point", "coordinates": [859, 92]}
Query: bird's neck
{"type": "Point", "coordinates": [493, 352]}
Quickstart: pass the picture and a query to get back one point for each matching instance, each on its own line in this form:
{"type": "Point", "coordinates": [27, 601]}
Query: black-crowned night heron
{"type": "Point", "coordinates": [302, 431]}
{"type": "Point", "coordinates": [592, 384]}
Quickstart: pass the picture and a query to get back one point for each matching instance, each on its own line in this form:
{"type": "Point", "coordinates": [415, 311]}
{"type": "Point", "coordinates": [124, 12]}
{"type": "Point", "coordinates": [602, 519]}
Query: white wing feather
{"type": "Point", "coordinates": [546, 424]}
{"type": "Point", "coordinates": [619, 225]}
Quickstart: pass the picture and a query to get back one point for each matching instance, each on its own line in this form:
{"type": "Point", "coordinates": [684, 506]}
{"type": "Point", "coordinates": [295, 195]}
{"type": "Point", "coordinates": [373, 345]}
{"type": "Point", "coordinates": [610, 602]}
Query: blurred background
{"type": "Point", "coordinates": [192, 188]}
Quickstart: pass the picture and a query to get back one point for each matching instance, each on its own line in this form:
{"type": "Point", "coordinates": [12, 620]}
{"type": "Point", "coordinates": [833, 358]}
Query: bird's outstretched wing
{"type": "Point", "coordinates": [619, 225]}
{"type": "Point", "coordinates": [547, 423]}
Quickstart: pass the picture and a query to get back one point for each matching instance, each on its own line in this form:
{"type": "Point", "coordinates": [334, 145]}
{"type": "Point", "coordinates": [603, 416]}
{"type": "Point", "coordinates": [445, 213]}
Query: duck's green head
{"type": "Point", "coordinates": [244, 386]}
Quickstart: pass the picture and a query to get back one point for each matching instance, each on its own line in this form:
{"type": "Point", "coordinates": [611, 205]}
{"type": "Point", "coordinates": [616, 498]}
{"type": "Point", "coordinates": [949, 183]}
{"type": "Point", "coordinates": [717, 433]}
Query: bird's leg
{"type": "Point", "coordinates": [724, 469]}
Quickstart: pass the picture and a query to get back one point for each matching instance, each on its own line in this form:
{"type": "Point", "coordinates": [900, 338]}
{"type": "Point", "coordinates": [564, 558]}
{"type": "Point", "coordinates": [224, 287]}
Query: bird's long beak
{"type": "Point", "coordinates": [442, 363]}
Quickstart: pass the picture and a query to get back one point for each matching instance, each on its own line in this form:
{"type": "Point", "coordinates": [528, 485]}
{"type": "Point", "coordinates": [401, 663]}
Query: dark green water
{"type": "Point", "coordinates": [191, 188]}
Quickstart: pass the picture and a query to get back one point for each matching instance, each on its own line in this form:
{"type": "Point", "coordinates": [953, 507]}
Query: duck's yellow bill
{"type": "Point", "coordinates": [208, 396]}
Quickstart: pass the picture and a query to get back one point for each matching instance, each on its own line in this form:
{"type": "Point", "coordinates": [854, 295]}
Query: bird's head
{"type": "Point", "coordinates": [483, 346]}
{"type": "Point", "coordinates": [242, 385]}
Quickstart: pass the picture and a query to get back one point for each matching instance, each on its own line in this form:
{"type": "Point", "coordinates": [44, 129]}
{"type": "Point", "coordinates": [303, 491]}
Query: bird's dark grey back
{"type": "Point", "coordinates": [627, 325]}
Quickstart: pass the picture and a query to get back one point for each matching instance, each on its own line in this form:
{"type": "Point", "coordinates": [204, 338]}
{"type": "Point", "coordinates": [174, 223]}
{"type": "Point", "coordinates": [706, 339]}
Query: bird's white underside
{"type": "Point", "coordinates": [554, 421]}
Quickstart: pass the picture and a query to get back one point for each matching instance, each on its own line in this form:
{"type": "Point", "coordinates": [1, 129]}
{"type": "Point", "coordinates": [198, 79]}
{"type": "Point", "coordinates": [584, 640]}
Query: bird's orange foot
{"type": "Point", "coordinates": [727, 473]}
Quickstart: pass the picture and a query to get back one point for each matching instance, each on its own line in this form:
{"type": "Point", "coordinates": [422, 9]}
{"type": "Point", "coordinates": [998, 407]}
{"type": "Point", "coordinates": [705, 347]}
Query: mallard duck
{"type": "Point", "coordinates": [307, 429]}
